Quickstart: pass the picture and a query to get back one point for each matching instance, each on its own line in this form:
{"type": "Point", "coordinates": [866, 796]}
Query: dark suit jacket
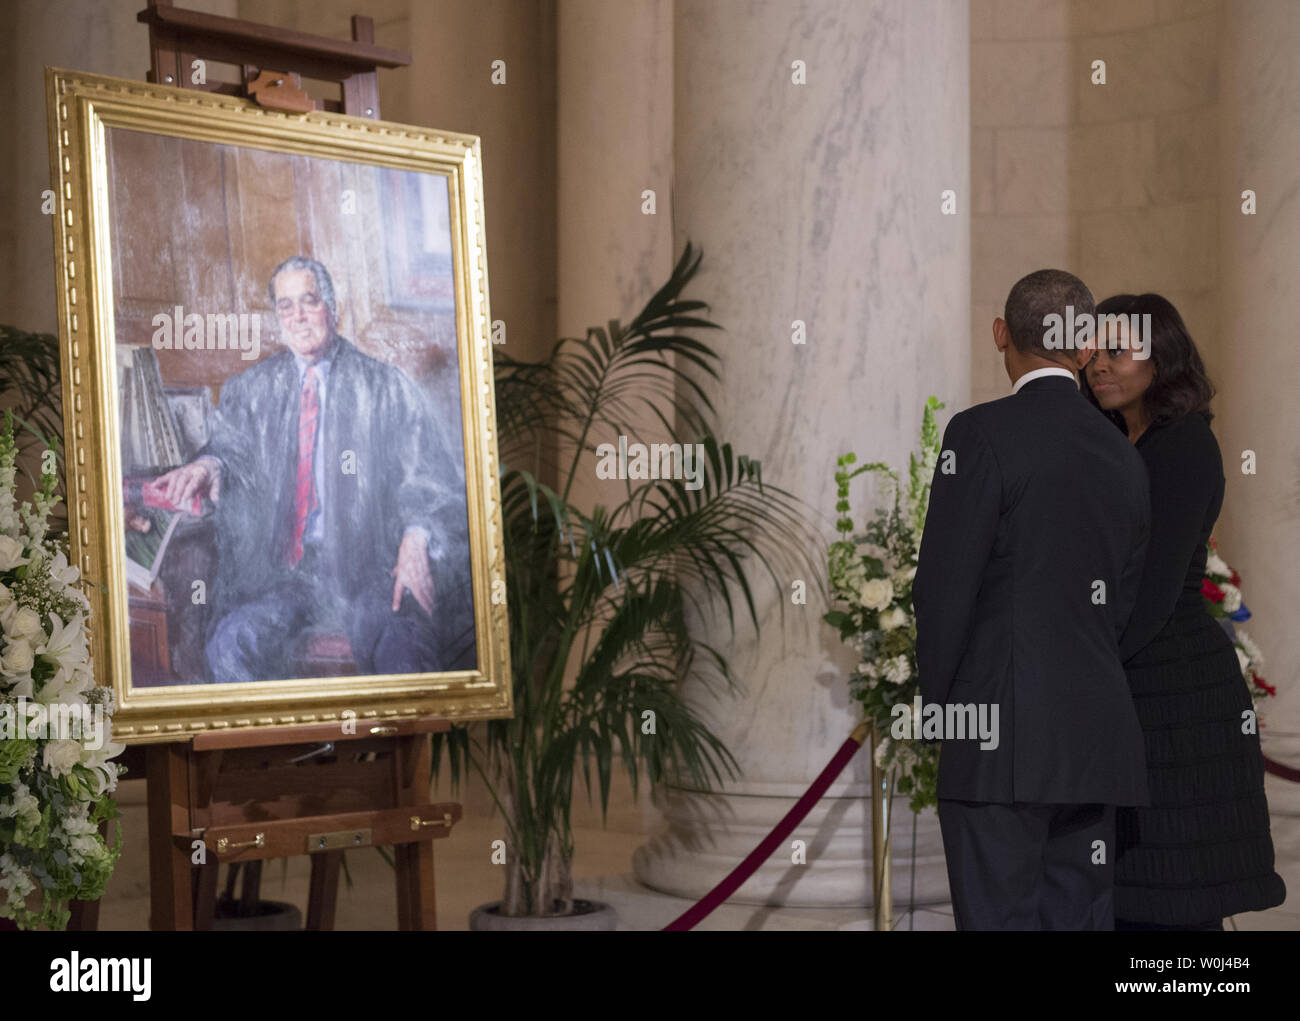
{"type": "Point", "coordinates": [372, 409]}
{"type": "Point", "coordinates": [1048, 498]}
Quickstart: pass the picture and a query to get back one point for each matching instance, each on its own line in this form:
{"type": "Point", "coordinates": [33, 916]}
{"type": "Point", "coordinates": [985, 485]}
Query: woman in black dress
{"type": "Point", "coordinates": [1202, 850]}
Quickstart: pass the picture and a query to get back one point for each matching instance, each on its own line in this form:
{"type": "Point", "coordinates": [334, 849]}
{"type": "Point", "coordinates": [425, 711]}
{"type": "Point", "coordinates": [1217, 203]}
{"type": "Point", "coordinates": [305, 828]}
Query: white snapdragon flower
{"type": "Point", "coordinates": [15, 883]}
{"type": "Point", "coordinates": [1214, 564]}
{"type": "Point", "coordinates": [1231, 598]}
{"type": "Point", "coordinates": [866, 548]}
{"type": "Point", "coordinates": [896, 670]}
{"type": "Point", "coordinates": [876, 594]}
{"type": "Point", "coordinates": [22, 807]}
{"type": "Point", "coordinates": [1243, 661]}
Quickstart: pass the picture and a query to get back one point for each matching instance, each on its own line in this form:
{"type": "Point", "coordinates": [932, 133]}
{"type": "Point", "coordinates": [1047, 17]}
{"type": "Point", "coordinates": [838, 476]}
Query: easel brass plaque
{"type": "Point", "coordinates": [337, 841]}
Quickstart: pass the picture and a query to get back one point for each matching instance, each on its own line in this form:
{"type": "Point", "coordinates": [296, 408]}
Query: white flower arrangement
{"type": "Point", "coordinates": [56, 747]}
{"type": "Point", "coordinates": [872, 575]}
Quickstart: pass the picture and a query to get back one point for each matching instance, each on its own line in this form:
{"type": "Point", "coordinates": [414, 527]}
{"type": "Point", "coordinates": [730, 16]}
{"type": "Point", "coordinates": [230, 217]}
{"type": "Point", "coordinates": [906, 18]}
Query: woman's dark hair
{"type": "Point", "coordinates": [1180, 386]}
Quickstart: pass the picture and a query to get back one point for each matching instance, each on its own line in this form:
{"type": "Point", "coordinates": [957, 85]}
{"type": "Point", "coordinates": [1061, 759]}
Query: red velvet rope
{"type": "Point", "coordinates": [1285, 772]}
{"type": "Point", "coordinates": [702, 908]}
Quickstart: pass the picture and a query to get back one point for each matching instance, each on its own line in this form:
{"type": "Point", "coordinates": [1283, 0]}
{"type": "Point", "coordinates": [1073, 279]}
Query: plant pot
{"type": "Point", "coordinates": [270, 916]}
{"type": "Point", "coordinates": [588, 916]}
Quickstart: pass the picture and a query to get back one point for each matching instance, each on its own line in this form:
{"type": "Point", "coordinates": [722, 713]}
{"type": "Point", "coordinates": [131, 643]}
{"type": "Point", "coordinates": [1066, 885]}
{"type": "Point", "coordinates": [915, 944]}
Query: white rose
{"type": "Point", "coordinates": [1231, 598]}
{"type": "Point", "coordinates": [6, 597]}
{"type": "Point", "coordinates": [26, 624]}
{"type": "Point", "coordinates": [894, 618]}
{"type": "Point", "coordinates": [18, 658]}
{"type": "Point", "coordinates": [11, 553]}
{"type": "Point", "coordinates": [877, 593]}
{"type": "Point", "coordinates": [61, 756]}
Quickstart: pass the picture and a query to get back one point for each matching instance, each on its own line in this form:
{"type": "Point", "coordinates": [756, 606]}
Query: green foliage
{"type": "Point", "coordinates": [605, 597]}
{"type": "Point", "coordinates": [871, 577]}
{"type": "Point", "coordinates": [30, 387]}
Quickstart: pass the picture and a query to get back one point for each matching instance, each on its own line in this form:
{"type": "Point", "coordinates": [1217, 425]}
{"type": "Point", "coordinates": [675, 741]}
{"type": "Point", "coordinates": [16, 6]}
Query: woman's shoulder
{"type": "Point", "coordinates": [1187, 441]}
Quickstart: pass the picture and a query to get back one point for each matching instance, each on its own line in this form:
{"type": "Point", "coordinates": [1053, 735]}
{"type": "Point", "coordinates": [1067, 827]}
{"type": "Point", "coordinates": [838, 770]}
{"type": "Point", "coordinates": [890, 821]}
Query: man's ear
{"type": "Point", "coordinates": [1001, 334]}
{"type": "Point", "coordinates": [1082, 356]}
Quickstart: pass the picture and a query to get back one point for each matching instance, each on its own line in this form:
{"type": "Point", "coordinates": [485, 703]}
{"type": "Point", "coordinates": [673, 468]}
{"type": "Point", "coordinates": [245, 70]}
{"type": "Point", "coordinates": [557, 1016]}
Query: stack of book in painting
{"type": "Point", "coordinates": [161, 428]}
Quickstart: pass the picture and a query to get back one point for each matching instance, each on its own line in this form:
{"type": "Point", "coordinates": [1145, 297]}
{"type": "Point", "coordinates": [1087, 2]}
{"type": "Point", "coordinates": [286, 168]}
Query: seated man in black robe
{"type": "Point", "coordinates": [329, 508]}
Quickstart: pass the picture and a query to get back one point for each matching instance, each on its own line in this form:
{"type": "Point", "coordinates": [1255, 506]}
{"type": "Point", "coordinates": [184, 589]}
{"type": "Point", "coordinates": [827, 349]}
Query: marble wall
{"type": "Point", "coordinates": [1114, 182]}
{"type": "Point", "coordinates": [1136, 186]}
{"type": "Point", "coordinates": [1259, 370]}
{"type": "Point", "coordinates": [820, 203]}
{"type": "Point", "coordinates": [88, 35]}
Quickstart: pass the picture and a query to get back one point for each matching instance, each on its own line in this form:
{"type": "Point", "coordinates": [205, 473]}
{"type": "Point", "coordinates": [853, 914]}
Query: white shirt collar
{"type": "Point", "coordinates": [1040, 373]}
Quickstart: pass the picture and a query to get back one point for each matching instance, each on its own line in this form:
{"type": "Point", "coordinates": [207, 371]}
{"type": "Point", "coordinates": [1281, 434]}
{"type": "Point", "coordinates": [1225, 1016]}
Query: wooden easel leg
{"type": "Point", "coordinates": [171, 902]}
{"type": "Point", "coordinates": [324, 890]}
{"type": "Point", "coordinates": [416, 905]}
{"type": "Point", "coordinates": [205, 893]}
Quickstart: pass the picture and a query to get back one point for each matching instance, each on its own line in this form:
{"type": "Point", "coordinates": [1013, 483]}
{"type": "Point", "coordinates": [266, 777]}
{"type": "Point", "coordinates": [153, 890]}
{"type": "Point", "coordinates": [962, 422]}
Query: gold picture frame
{"type": "Point", "coordinates": [89, 116]}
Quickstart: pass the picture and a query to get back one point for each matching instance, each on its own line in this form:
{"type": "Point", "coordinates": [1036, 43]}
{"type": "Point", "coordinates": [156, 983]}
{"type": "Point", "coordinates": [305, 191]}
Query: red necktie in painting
{"type": "Point", "coordinates": [305, 500]}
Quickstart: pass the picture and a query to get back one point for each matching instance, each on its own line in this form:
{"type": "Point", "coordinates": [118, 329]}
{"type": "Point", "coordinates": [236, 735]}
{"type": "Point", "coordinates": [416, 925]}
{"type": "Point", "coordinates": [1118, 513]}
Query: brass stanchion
{"type": "Point", "coordinates": [882, 901]}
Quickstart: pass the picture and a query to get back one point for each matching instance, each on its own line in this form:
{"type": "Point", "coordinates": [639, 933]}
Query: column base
{"type": "Point", "coordinates": [640, 908]}
{"type": "Point", "coordinates": [707, 835]}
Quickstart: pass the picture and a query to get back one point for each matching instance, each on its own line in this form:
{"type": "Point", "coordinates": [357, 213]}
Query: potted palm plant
{"type": "Point", "coordinates": [599, 599]}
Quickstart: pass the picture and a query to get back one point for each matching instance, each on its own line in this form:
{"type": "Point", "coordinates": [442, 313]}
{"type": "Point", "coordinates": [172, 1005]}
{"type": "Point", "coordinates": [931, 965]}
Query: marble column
{"type": "Point", "coordinates": [1259, 366]}
{"type": "Point", "coordinates": [818, 202]}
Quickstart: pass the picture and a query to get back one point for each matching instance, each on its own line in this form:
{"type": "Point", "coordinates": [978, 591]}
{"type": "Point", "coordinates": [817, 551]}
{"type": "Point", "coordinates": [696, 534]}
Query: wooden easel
{"type": "Point", "coordinates": [271, 60]}
{"type": "Point", "coordinates": [252, 795]}
{"type": "Point", "coordinates": [249, 796]}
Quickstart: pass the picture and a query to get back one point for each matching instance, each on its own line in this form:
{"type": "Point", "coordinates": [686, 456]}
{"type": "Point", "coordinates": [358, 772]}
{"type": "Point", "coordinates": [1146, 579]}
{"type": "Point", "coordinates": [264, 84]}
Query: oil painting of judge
{"type": "Point", "coordinates": [295, 499]}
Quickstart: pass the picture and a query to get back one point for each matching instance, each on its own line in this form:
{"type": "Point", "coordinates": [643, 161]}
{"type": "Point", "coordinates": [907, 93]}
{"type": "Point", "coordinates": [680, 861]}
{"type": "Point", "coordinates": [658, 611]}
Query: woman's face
{"type": "Point", "coordinates": [1118, 380]}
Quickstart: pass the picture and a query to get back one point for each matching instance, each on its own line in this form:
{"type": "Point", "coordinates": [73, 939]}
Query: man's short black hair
{"type": "Point", "coordinates": [1037, 296]}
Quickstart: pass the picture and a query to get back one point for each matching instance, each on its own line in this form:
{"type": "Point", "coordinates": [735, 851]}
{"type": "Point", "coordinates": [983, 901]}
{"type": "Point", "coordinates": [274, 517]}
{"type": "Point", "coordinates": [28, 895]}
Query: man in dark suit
{"type": "Point", "coordinates": [329, 506]}
{"type": "Point", "coordinates": [1029, 566]}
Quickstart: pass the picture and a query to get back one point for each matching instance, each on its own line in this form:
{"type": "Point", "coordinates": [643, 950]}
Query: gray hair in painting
{"type": "Point", "coordinates": [324, 283]}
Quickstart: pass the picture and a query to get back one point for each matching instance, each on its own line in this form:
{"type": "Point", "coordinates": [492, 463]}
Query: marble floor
{"type": "Point", "coordinates": [467, 878]}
